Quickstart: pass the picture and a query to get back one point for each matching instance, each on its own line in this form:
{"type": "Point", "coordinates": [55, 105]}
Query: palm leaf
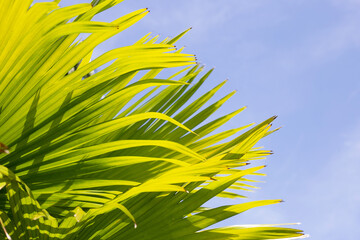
{"type": "Point", "coordinates": [92, 157]}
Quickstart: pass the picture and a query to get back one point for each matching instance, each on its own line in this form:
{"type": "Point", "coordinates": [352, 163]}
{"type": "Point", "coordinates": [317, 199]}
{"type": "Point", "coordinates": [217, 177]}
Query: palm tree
{"type": "Point", "coordinates": [119, 154]}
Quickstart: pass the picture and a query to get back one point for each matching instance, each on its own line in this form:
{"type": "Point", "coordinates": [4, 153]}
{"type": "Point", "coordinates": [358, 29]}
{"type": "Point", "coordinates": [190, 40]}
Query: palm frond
{"type": "Point", "coordinates": [121, 153]}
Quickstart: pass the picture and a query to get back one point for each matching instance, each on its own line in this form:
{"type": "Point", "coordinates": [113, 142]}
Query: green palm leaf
{"type": "Point", "coordinates": [119, 154]}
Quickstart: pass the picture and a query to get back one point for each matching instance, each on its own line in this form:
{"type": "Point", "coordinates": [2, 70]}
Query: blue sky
{"type": "Point", "coordinates": [297, 59]}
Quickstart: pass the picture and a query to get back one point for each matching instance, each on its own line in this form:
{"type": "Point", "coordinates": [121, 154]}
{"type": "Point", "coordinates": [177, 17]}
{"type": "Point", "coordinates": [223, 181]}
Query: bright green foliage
{"type": "Point", "coordinates": [82, 160]}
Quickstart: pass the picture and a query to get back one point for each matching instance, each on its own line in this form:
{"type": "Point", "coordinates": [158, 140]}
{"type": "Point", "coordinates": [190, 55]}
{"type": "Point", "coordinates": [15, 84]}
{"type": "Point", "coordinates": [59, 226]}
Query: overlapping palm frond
{"type": "Point", "coordinates": [118, 154]}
